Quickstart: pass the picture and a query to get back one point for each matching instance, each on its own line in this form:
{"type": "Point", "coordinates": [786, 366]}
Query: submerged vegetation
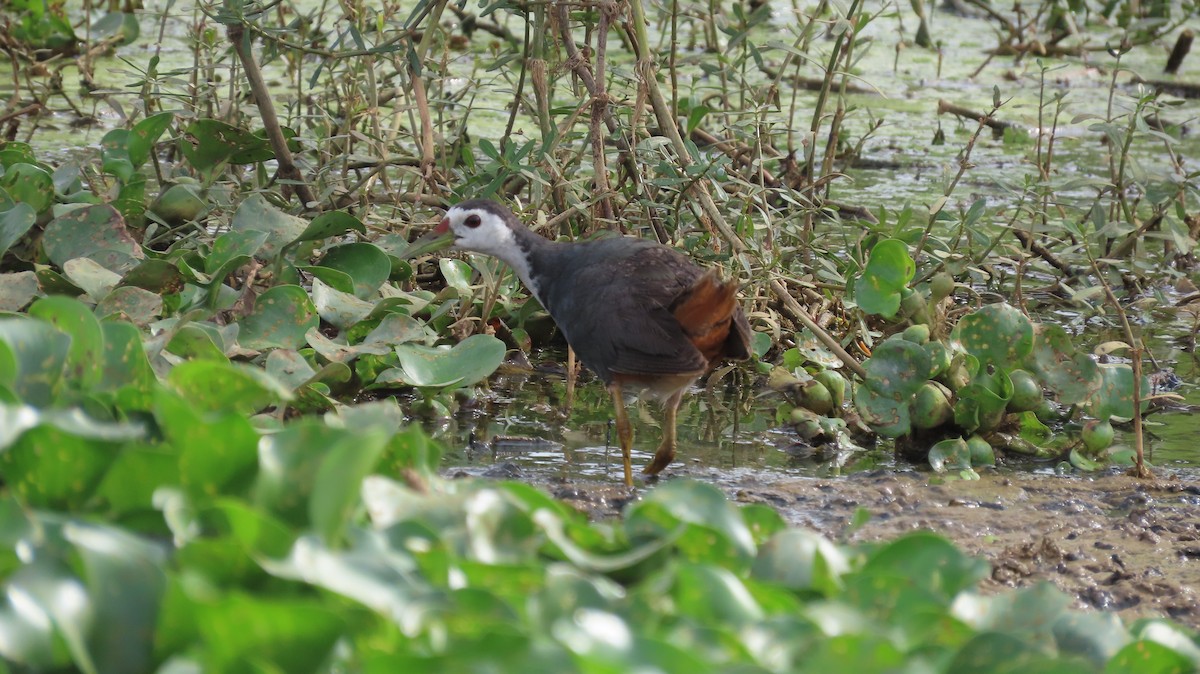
{"type": "Point", "coordinates": [210, 312]}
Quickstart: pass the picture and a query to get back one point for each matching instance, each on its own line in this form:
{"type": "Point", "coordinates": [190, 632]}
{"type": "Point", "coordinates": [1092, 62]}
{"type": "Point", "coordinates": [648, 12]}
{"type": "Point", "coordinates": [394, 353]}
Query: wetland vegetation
{"type": "Point", "coordinates": [242, 430]}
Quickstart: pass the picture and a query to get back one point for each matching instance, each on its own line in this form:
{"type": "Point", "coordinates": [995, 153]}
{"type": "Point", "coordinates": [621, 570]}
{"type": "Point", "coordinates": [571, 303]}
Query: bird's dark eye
{"type": "Point", "coordinates": [472, 221]}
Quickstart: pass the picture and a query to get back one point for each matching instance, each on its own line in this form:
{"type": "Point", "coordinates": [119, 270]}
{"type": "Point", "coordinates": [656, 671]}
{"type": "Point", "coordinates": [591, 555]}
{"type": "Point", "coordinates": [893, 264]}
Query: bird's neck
{"type": "Point", "coordinates": [530, 249]}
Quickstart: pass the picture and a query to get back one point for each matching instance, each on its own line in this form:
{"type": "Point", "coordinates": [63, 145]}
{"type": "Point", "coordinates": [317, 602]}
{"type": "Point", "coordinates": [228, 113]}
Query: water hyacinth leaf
{"type": "Point", "coordinates": [997, 334]}
{"type": "Point", "coordinates": [208, 143]}
{"type": "Point", "coordinates": [41, 353]}
{"type": "Point", "coordinates": [87, 339]}
{"type": "Point", "coordinates": [29, 184]}
{"type": "Point", "coordinates": [157, 276]}
{"type": "Point", "coordinates": [340, 309]}
{"type": "Point", "coordinates": [53, 283]}
{"type": "Point", "coordinates": [284, 634]}
{"type": "Point", "coordinates": [471, 360]}
{"type": "Point", "coordinates": [1148, 657]}
{"type": "Point", "coordinates": [395, 329]}
{"type": "Point", "coordinates": [1114, 398]}
{"type": "Point", "coordinates": [136, 474]}
{"type": "Point", "coordinates": [950, 454]}
{"type": "Point", "coordinates": [17, 290]}
{"type": "Point", "coordinates": [331, 224]}
{"type": "Point", "coordinates": [232, 250]}
{"type": "Point", "coordinates": [289, 367]}
{"type": "Point", "coordinates": [114, 154]}
{"type": "Point", "coordinates": [698, 504]}
{"type": "Point", "coordinates": [195, 341]}
{"type": "Point", "coordinates": [211, 385]}
{"type": "Point", "coordinates": [288, 464]}
{"type": "Point", "coordinates": [714, 595]}
{"type": "Point", "coordinates": [372, 573]}
{"type": "Point", "coordinates": [96, 281]}
{"type": "Point", "coordinates": [552, 524]}
{"type": "Point", "coordinates": [51, 593]}
{"type": "Point", "coordinates": [138, 306]}
{"type": "Point", "coordinates": [912, 556]}
{"type": "Point", "coordinates": [457, 274]}
{"type": "Point", "coordinates": [897, 369]}
{"type": "Point", "coordinates": [1072, 376]}
{"type": "Point", "coordinates": [16, 152]}
{"type": "Point", "coordinates": [259, 215]}
{"type": "Point", "coordinates": [214, 450]}
{"type": "Point", "coordinates": [119, 27]}
{"type": "Point", "coordinates": [124, 362]}
{"type": "Point", "coordinates": [801, 560]}
{"type": "Point", "coordinates": [885, 415]}
{"type": "Point", "coordinates": [334, 278]}
{"type": "Point", "coordinates": [49, 467]}
{"type": "Point", "coordinates": [97, 232]}
{"type": "Point", "coordinates": [145, 134]}
{"type": "Point", "coordinates": [365, 263]}
{"type": "Point", "coordinates": [179, 203]}
{"type": "Point", "coordinates": [997, 653]}
{"type": "Point", "coordinates": [126, 581]}
{"type": "Point", "coordinates": [14, 223]}
{"type": "Point", "coordinates": [887, 273]}
{"type": "Point", "coordinates": [281, 317]}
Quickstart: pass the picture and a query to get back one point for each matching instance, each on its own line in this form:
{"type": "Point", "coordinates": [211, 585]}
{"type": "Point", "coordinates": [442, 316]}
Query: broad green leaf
{"type": "Point", "coordinates": [998, 334]}
{"type": "Point", "coordinates": [96, 232]}
{"type": "Point", "coordinates": [888, 271]}
{"type": "Point", "coordinates": [74, 319]}
{"type": "Point", "coordinates": [146, 133]}
{"type": "Point", "coordinates": [211, 385]}
{"type": "Point", "coordinates": [258, 215]}
{"type": "Point", "coordinates": [15, 222]}
{"type": "Point", "coordinates": [330, 224]}
{"type": "Point", "coordinates": [281, 317]}
{"type": "Point", "coordinates": [29, 184]}
{"type": "Point", "coordinates": [366, 264]}
{"type": "Point", "coordinates": [470, 361]}
{"type": "Point", "coordinates": [41, 353]}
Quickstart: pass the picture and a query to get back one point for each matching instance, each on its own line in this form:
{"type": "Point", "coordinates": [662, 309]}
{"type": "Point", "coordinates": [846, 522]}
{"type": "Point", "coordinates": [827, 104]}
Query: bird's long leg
{"type": "Point", "coordinates": [624, 430]}
{"type": "Point", "coordinates": [666, 450]}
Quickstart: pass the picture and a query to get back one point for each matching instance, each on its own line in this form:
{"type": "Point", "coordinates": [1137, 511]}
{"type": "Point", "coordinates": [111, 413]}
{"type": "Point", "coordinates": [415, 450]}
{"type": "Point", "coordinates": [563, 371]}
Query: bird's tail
{"type": "Point", "coordinates": [707, 313]}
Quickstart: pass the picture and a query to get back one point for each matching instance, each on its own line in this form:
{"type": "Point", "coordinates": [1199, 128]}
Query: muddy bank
{"type": "Point", "coordinates": [1112, 542]}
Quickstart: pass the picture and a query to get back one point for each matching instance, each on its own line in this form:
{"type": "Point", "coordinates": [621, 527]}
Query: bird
{"type": "Point", "coordinates": [641, 315]}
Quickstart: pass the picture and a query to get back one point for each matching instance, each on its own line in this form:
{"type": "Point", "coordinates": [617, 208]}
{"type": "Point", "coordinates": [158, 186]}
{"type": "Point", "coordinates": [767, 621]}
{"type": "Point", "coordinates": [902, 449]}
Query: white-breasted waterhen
{"type": "Point", "coordinates": [639, 314]}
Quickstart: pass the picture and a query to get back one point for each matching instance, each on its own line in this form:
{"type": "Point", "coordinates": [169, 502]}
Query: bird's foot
{"type": "Point", "coordinates": [662, 458]}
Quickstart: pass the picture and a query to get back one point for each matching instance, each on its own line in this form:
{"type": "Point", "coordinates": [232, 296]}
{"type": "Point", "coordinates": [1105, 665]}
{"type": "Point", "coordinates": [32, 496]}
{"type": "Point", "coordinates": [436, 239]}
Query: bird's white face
{"type": "Point", "coordinates": [479, 230]}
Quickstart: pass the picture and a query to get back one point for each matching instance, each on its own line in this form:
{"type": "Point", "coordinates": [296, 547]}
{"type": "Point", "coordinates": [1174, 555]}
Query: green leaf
{"type": "Point", "coordinates": [214, 450]}
{"type": "Point", "coordinates": [888, 271]}
{"type": "Point", "coordinates": [96, 232]}
{"type": "Point", "coordinates": [330, 224]}
{"type": "Point", "coordinates": [258, 215]}
{"type": "Point", "coordinates": [365, 263]}
{"type": "Point", "coordinates": [294, 635]}
{"type": "Point", "coordinates": [801, 560]}
{"type": "Point", "coordinates": [211, 385]}
{"type": "Point", "coordinates": [87, 339]}
{"type": "Point", "coordinates": [468, 362]}
{"type": "Point", "coordinates": [281, 317]}
{"type": "Point", "coordinates": [29, 184]}
{"type": "Point", "coordinates": [119, 27]}
{"type": "Point", "coordinates": [41, 354]}
{"type": "Point", "coordinates": [14, 223]}
{"type": "Point", "coordinates": [695, 503]}
{"type": "Point", "coordinates": [998, 334]}
{"type": "Point", "coordinates": [146, 133]}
